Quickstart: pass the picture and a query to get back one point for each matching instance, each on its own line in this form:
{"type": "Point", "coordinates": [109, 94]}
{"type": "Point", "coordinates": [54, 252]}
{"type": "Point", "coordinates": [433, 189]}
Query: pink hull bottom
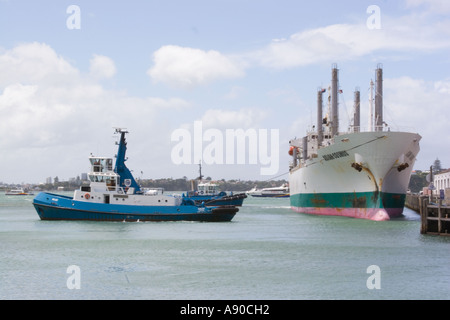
{"type": "Point", "coordinates": [375, 214]}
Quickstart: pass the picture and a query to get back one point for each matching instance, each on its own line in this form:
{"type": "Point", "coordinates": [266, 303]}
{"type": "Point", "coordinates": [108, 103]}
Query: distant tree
{"type": "Point", "coordinates": [417, 182]}
{"type": "Point", "coordinates": [437, 166]}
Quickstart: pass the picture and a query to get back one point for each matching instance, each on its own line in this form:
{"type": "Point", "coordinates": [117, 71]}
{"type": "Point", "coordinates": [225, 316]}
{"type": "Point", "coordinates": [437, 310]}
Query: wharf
{"type": "Point", "coordinates": [434, 215]}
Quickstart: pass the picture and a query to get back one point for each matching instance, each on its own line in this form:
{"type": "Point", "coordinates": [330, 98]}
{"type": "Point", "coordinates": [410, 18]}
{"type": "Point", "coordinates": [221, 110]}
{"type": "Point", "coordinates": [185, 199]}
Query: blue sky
{"type": "Point", "coordinates": [155, 67]}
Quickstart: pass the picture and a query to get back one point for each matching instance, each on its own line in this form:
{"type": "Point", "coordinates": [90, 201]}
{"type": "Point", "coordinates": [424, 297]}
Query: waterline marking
{"type": "Point", "coordinates": [228, 148]}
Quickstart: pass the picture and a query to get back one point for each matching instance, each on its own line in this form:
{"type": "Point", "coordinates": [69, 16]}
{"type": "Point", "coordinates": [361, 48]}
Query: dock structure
{"type": "Point", "coordinates": [435, 216]}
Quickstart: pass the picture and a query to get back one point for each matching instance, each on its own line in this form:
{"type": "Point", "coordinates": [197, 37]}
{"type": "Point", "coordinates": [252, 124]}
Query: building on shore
{"type": "Point", "coordinates": [441, 181]}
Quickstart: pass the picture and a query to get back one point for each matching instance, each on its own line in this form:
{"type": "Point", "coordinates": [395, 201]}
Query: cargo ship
{"type": "Point", "coordinates": [359, 173]}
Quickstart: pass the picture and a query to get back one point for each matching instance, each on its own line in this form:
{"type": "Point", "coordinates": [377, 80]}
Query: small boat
{"type": "Point", "coordinates": [275, 192]}
{"type": "Point", "coordinates": [18, 192]}
{"type": "Point", "coordinates": [114, 195]}
{"type": "Point", "coordinates": [209, 194]}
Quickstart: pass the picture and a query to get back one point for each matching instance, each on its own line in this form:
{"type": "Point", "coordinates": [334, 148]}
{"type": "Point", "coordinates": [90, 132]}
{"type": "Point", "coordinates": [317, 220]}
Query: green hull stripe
{"type": "Point", "coordinates": [348, 200]}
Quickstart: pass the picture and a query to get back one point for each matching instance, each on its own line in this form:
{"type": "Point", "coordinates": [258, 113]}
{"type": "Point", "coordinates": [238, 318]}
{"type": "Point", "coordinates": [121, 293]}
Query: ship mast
{"type": "Point", "coordinates": [200, 177]}
{"type": "Point", "coordinates": [379, 99]}
{"type": "Point", "coordinates": [371, 107]}
{"type": "Point", "coordinates": [320, 92]}
{"type": "Point", "coordinates": [356, 115]}
{"type": "Point", "coordinates": [126, 178]}
{"type": "Point", "coordinates": [334, 101]}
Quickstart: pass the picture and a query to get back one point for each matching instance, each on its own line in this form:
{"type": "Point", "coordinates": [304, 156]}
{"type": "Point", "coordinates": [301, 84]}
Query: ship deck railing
{"type": "Point", "coordinates": [121, 190]}
{"type": "Point", "coordinates": [383, 128]}
{"type": "Point", "coordinates": [352, 129]}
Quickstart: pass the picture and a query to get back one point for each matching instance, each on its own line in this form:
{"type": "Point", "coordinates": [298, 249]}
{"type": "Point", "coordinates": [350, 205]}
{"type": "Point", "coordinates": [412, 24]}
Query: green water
{"type": "Point", "coordinates": [266, 252]}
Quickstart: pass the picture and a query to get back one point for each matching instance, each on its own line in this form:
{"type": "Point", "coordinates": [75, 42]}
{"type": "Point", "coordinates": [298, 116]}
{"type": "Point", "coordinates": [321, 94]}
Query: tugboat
{"type": "Point", "coordinates": [114, 195]}
{"type": "Point", "coordinates": [208, 193]}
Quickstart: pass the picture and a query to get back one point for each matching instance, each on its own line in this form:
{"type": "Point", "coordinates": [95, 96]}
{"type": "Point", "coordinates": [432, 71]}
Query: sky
{"type": "Point", "coordinates": [188, 79]}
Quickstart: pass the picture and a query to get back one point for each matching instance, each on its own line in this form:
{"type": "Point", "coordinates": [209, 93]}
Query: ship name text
{"type": "Point", "coordinates": [335, 155]}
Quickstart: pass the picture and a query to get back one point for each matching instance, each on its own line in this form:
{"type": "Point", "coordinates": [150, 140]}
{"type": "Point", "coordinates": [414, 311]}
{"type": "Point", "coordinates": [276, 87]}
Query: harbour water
{"type": "Point", "coordinates": [266, 252]}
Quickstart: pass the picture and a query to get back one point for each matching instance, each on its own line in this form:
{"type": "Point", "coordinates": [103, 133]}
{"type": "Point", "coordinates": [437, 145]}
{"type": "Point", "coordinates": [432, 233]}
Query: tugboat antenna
{"type": "Point", "coordinates": [200, 171]}
{"type": "Point", "coordinates": [120, 130]}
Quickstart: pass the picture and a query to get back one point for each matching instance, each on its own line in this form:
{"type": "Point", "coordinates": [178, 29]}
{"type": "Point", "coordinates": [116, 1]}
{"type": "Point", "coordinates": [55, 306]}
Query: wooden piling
{"type": "Point", "coordinates": [435, 217]}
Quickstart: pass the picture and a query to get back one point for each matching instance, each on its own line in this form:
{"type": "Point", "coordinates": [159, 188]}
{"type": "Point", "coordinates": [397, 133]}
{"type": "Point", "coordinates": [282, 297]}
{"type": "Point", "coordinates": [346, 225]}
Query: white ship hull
{"type": "Point", "coordinates": [360, 175]}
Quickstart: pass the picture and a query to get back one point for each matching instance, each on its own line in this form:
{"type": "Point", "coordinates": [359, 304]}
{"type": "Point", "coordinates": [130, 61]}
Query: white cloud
{"type": "Point", "coordinates": [53, 115]}
{"type": "Point", "coordinates": [342, 42]}
{"type": "Point", "coordinates": [233, 119]}
{"type": "Point", "coordinates": [234, 93]}
{"type": "Point", "coordinates": [32, 62]}
{"type": "Point", "coordinates": [442, 86]}
{"type": "Point", "coordinates": [102, 67]}
{"type": "Point", "coordinates": [420, 106]}
{"type": "Point", "coordinates": [412, 33]}
{"type": "Point", "coordinates": [433, 6]}
{"type": "Point", "coordinates": [188, 67]}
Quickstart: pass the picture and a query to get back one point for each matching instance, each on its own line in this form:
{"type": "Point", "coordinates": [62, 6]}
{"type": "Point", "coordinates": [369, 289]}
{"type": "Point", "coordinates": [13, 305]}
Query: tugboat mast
{"type": "Point", "coordinates": [126, 178]}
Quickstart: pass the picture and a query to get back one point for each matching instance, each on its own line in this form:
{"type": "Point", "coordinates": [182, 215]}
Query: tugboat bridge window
{"type": "Point", "coordinates": [110, 179]}
{"type": "Point", "coordinates": [101, 164]}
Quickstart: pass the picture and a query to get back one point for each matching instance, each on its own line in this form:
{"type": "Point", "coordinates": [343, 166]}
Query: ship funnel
{"type": "Point", "coordinates": [379, 99]}
{"type": "Point", "coordinates": [334, 101]}
{"type": "Point", "coordinates": [356, 115]}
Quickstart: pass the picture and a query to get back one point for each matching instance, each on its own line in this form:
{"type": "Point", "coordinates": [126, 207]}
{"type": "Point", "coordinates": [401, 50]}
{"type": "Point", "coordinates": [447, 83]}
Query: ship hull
{"type": "Point", "coordinates": [232, 200]}
{"type": "Point", "coordinates": [361, 175]}
{"type": "Point", "coordinates": [365, 205]}
{"type": "Point", "coordinates": [56, 207]}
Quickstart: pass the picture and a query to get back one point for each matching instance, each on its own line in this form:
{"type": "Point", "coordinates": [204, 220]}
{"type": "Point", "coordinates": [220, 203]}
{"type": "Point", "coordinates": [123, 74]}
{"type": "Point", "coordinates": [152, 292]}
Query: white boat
{"type": "Point", "coordinates": [18, 192]}
{"type": "Point", "coordinates": [274, 192]}
{"type": "Point", "coordinates": [355, 174]}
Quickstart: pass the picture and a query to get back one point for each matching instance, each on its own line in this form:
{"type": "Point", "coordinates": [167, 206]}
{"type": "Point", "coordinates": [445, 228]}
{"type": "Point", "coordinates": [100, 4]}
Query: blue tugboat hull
{"type": "Point", "coordinates": [235, 200]}
{"type": "Point", "coordinates": [56, 207]}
